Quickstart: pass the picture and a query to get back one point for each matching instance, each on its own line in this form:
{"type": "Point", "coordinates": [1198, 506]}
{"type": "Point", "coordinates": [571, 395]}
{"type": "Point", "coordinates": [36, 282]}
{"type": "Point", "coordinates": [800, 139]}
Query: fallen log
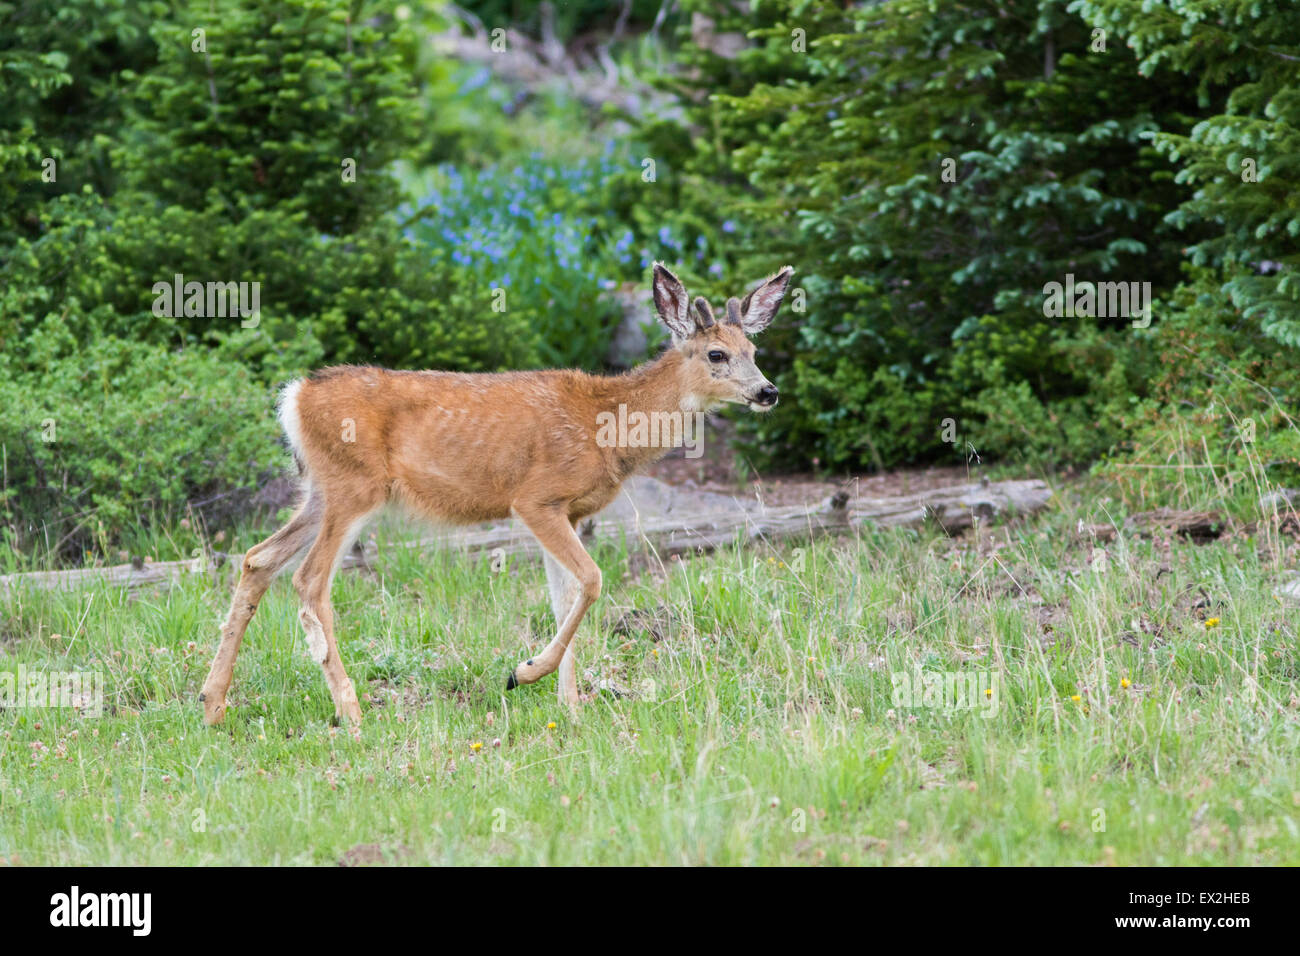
{"type": "Point", "coordinates": [1199, 526]}
{"type": "Point", "coordinates": [951, 509]}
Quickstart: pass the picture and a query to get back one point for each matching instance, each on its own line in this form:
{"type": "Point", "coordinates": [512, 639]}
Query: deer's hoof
{"type": "Point", "coordinates": [214, 709]}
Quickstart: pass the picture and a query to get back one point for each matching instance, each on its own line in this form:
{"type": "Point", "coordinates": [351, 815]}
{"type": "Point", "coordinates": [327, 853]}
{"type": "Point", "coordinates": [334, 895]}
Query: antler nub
{"type": "Point", "coordinates": [733, 311]}
{"type": "Point", "coordinates": [704, 311]}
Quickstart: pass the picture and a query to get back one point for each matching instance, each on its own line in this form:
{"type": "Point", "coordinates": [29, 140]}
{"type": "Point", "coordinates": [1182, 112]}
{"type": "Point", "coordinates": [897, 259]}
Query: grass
{"type": "Point", "coordinates": [1145, 713]}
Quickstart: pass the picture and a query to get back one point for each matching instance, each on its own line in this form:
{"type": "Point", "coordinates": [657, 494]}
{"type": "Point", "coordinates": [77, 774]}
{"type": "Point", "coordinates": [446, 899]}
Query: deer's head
{"type": "Point", "coordinates": [719, 358]}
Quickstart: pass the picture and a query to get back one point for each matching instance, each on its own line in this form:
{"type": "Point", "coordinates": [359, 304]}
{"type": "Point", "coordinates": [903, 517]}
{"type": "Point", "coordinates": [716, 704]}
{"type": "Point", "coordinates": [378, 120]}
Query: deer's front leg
{"type": "Point", "coordinates": [551, 526]}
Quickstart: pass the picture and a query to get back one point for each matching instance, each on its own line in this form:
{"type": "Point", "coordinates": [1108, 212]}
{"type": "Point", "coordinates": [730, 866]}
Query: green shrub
{"type": "Point", "coordinates": [60, 67]}
{"type": "Point", "coordinates": [927, 169]}
{"type": "Point", "coordinates": [116, 434]}
{"type": "Point", "coordinates": [1217, 424]}
{"type": "Point", "coordinates": [1240, 158]}
{"type": "Point", "coordinates": [271, 111]}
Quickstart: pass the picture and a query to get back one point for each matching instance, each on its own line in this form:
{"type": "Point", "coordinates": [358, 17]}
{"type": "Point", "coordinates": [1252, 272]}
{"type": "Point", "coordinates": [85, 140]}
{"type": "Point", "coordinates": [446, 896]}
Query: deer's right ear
{"type": "Point", "coordinates": [672, 302]}
{"type": "Point", "coordinates": [759, 307]}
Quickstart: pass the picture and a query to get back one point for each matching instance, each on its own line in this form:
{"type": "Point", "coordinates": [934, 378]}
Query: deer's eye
{"type": "Point", "coordinates": [717, 356]}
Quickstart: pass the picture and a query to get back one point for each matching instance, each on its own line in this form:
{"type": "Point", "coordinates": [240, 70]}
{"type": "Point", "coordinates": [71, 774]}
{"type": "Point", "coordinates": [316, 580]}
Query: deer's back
{"type": "Point", "coordinates": [457, 447]}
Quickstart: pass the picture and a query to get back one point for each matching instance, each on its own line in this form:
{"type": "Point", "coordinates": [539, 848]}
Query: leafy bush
{"type": "Point", "coordinates": [928, 169]}
{"type": "Point", "coordinates": [370, 297]}
{"type": "Point", "coordinates": [59, 81]}
{"type": "Point", "coordinates": [1218, 424]}
{"type": "Point", "coordinates": [224, 158]}
{"type": "Point", "coordinates": [112, 433]}
{"type": "Point", "coordinates": [1241, 155]}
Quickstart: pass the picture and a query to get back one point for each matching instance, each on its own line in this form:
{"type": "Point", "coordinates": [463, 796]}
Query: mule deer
{"type": "Point", "coordinates": [460, 448]}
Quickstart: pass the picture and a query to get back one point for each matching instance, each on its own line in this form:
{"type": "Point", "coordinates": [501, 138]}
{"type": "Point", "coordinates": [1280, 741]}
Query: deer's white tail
{"type": "Point", "coordinates": [291, 422]}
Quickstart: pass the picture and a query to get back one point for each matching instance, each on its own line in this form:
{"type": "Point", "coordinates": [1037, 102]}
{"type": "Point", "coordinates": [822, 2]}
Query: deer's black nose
{"type": "Point", "coordinates": [767, 395]}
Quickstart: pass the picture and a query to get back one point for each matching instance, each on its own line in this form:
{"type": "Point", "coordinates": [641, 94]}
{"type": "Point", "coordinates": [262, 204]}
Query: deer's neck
{"type": "Point", "coordinates": [649, 411]}
{"type": "Point", "coordinates": [657, 386]}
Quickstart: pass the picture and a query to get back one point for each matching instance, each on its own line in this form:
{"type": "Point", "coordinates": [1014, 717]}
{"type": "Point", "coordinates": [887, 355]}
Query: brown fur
{"type": "Point", "coordinates": [461, 448]}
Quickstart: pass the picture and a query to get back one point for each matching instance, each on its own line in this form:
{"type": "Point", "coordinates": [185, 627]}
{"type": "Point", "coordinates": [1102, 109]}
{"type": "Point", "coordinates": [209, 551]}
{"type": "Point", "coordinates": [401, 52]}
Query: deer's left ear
{"type": "Point", "coordinates": [672, 302]}
{"type": "Point", "coordinates": [759, 308]}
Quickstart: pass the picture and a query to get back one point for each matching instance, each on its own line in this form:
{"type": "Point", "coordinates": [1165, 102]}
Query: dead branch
{"type": "Point", "coordinates": [951, 509]}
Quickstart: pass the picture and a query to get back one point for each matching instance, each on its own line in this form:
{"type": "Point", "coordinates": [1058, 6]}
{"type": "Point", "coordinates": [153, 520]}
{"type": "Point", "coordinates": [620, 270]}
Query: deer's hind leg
{"type": "Point", "coordinates": [259, 568]}
{"type": "Point", "coordinates": [313, 579]}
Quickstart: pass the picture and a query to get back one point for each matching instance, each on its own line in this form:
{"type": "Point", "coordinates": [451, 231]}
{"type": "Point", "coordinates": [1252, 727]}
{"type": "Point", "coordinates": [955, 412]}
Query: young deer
{"type": "Point", "coordinates": [459, 448]}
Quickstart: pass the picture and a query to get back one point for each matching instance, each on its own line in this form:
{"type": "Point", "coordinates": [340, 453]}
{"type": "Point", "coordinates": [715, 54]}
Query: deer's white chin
{"type": "Point", "coordinates": [755, 407]}
{"type": "Point", "coordinates": [699, 403]}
